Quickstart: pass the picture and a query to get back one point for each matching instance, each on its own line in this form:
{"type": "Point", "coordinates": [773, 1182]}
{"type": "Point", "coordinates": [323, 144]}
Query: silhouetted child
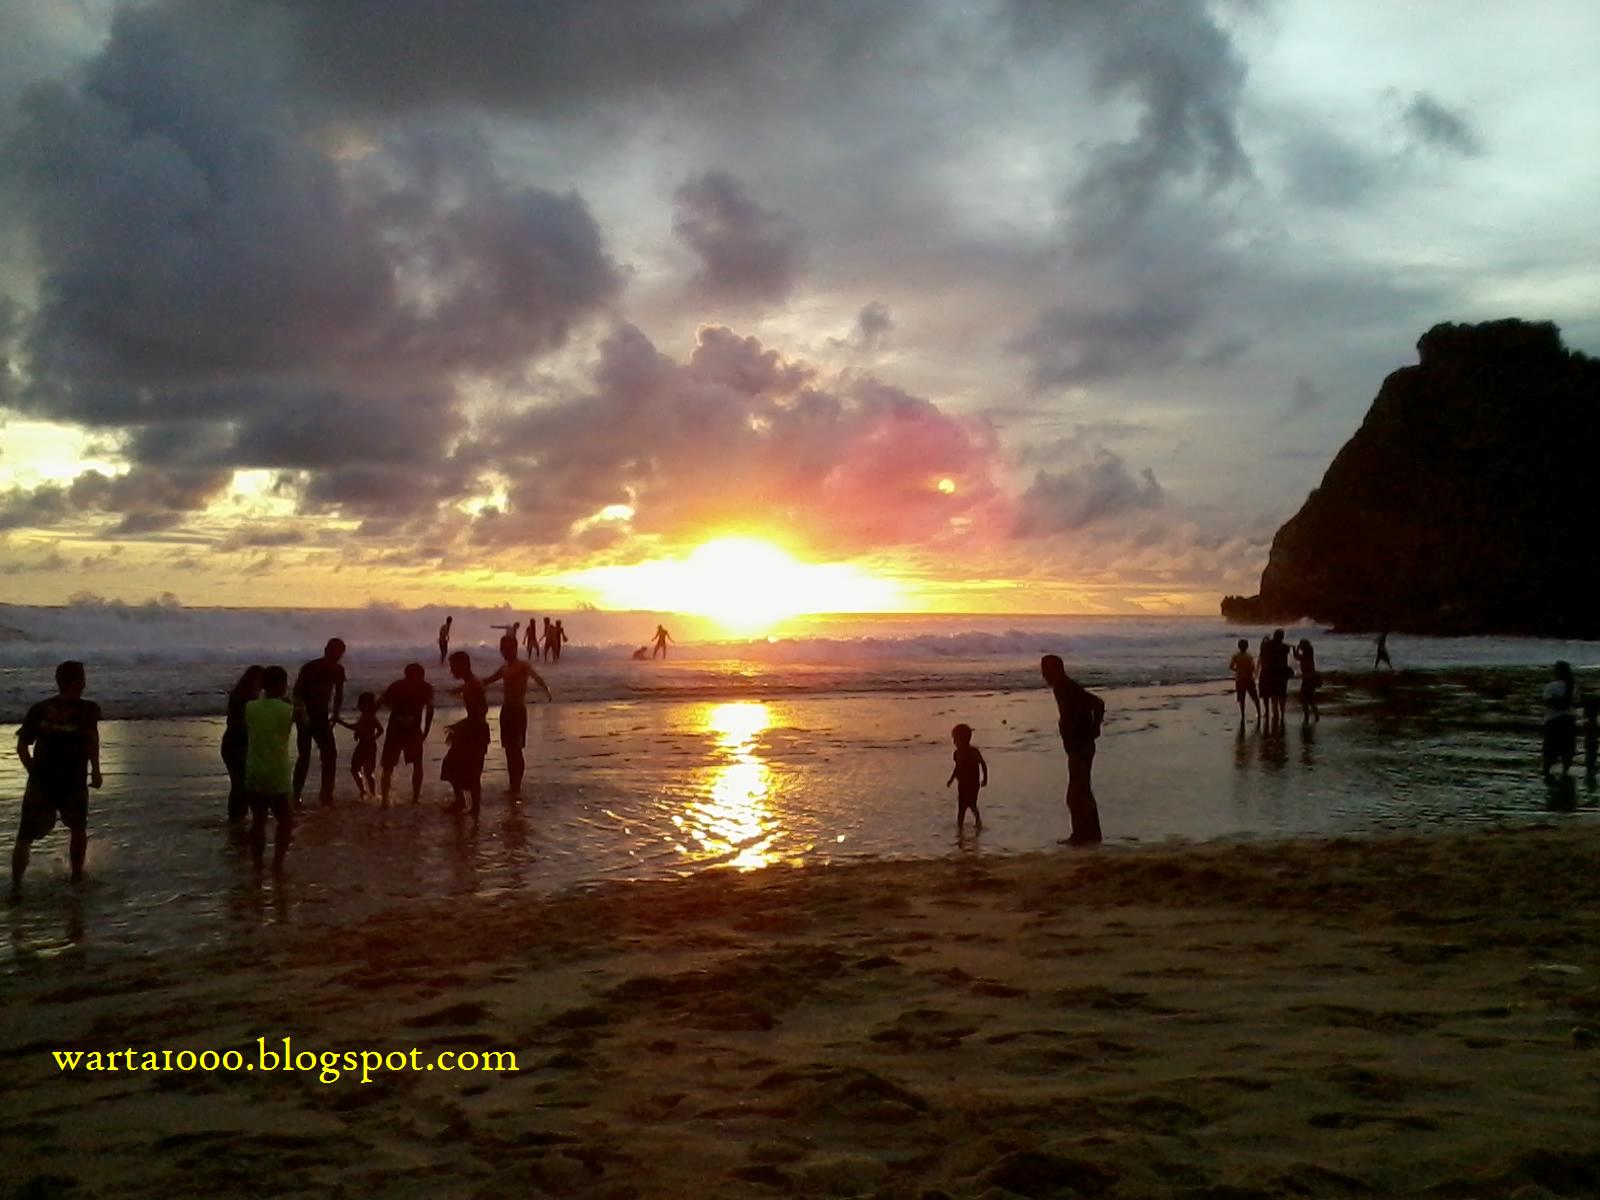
{"type": "Point", "coordinates": [970, 774]}
{"type": "Point", "coordinates": [364, 759]}
{"type": "Point", "coordinates": [1244, 678]}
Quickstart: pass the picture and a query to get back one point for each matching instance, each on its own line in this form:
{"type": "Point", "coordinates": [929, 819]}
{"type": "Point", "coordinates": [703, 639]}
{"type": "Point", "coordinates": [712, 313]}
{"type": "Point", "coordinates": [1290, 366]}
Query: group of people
{"type": "Point", "coordinates": [1266, 678]}
{"type": "Point", "coordinates": [547, 645]}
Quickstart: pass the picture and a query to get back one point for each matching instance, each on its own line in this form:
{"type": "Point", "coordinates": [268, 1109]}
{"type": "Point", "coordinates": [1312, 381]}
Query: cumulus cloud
{"type": "Point", "coordinates": [1433, 123]}
{"type": "Point", "coordinates": [1065, 501]}
{"type": "Point", "coordinates": [1073, 345]}
{"type": "Point", "coordinates": [746, 253]}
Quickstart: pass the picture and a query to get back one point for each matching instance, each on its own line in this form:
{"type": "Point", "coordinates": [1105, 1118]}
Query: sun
{"type": "Point", "coordinates": [744, 584]}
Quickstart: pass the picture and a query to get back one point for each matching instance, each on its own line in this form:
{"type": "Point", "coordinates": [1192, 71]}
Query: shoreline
{"type": "Point", "coordinates": [1315, 1016]}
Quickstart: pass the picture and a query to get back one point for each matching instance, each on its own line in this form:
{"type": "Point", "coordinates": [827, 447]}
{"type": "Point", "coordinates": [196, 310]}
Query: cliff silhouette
{"type": "Point", "coordinates": [1463, 504]}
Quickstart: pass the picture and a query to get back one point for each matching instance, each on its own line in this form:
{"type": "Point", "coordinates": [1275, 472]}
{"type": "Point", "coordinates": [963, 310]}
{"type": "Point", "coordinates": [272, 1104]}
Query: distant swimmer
{"type": "Point", "coordinates": [364, 758]}
{"type": "Point", "coordinates": [235, 739]}
{"type": "Point", "coordinates": [1382, 657]}
{"type": "Point", "coordinates": [530, 637]}
{"type": "Point", "coordinates": [642, 654]}
{"type": "Point", "coordinates": [267, 779]}
{"type": "Point", "coordinates": [969, 774]}
{"type": "Point", "coordinates": [1081, 713]}
{"type": "Point", "coordinates": [515, 675]}
{"type": "Point", "coordinates": [462, 768]}
{"type": "Point", "coordinates": [661, 638]}
{"type": "Point", "coordinates": [410, 704]}
{"type": "Point", "coordinates": [1244, 678]}
{"type": "Point", "coordinates": [444, 639]}
{"type": "Point", "coordinates": [1310, 681]}
{"type": "Point", "coordinates": [1562, 703]}
{"type": "Point", "coordinates": [319, 690]}
{"type": "Point", "coordinates": [59, 744]}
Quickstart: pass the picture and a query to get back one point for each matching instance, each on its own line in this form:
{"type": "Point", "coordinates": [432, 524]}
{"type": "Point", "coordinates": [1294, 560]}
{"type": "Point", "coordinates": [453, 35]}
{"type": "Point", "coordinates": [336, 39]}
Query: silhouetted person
{"type": "Point", "coordinates": [468, 738]}
{"type": "Point", "coordinates": [1081, 714]}
{"type": "Point", "coordinates": [509, 631]}
{"type": "Point", "coordinates": [444, 639]}
{"type": "Point", "coordinates": [364, 758]}
{"type": "Point", "coordinates": [236, 739]}
{"type": "Point", "coordinates": [410, 704]}
{"type": "Point", "coordinates": [1305, 657]}
{"type": "Point", "coordinates": [1244, 678]}
{"type": "Point", "coordinates": [59, 744]}
{"type": "Point", "coordinates": [515, 675]}
{"type": "Point", "coordinates": [661, 637]}
{"type": "Point", "coordinates": [642, 654]}
{"type": "Point", "coordinates": [267, 780]}
{"type": "Point", "coordinates": [1275, 675]}
{"type": "Point", "coordinates": [530, 637]}
{"type": "Point", "coordinates": [969, 774]}
{"type": "Point", "coordinates": [548, 640]}
{"type": "Point", "coordinates": [319, 684]}
{"type": "Point", "coordinates": [1381, 659]}
{"type": "Point", "coordinates": [1561, 706]}
{"type": "Point", "coordinates": [561, 638]}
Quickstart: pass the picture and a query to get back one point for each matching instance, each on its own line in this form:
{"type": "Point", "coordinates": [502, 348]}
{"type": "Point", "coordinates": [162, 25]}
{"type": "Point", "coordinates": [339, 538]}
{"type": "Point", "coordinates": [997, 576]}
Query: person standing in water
{"type": "Point", "coordinates": [1244, 678]}
{"type": "Point", "coordinates": [444, 639]}
{"type": "Point", "coordinates": [267, 778]}
{"type": "Point", "coordinates": [969, 774]}
{"type": "Point", "coordinates": [661, 638]}
{"type": "Point", "coordinates": [530, 637]}
{"type": "Point", "coordinates": [364, 758]}
{"type": "Point", "coordinates": [319, 685]}
{"type": "Point", "coordinates": [462, 768]}
{"type": "Point", "coordinates": [1381, 659]}
{"type": "Point", "coordinates": [58, 743]}
{"type": "Point", "coordinates": [515, 675]}
{"type": "Point", "coordinates": [1561, 705]}
{"type": "Point", "coordinates": [1081, 715]}
{"type": "Point", "coordinates": [1310, 681]}
{"type": "Point", "coordinates": [410, 704]}
{"type": "Point", "coordinates": [548, 640]}
{"type": "Point", "coordinates": [236, 739]}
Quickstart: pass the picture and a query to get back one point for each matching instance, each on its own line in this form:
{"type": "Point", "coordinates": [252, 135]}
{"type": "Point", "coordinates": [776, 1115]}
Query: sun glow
{"type": "Point", "coordinates": [743, 584]}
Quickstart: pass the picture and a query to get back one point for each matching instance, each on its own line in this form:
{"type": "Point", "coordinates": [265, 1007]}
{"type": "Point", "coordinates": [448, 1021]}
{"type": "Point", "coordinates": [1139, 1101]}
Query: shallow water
{"type": "Point", "coordinates": [634, 790]}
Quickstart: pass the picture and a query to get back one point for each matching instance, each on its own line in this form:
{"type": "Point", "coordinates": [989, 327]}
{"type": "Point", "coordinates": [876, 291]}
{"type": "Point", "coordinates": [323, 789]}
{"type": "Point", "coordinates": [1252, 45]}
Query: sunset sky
{"type": "Point", "coordinates": [997, 306]}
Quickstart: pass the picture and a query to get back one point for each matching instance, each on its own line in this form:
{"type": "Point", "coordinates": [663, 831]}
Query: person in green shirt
{"type": "Point", "coordinates": [268, 778]}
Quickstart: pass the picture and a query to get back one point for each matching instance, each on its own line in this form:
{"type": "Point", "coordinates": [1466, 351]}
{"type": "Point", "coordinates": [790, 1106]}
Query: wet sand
{"type": "Point", "coordinates": [1390, 1015]}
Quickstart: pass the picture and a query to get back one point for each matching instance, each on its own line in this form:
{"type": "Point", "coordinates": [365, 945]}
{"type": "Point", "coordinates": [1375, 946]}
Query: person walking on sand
{"type": "Point", "coordinates": [462, 768]}
{"type": "Point", "coordinates": [319, 685]}
{"type": "Point", "coordinates": [1381, 659]}
{"type": "Point", "coordinates": [235, 740]}
{"type": "Point", "coordinates": [661, 637]}
{"type": "Point", "coordinates": [530, 637]}
{"type": "Point", "coordinates": [1244, 678]}
{"type": "Point", "coordinates": [515, 675]}
{"type": "Point", "coordinates": [410, 704]}
{"type": "Point", "coordinates": [58, 743]}
{"type": "Point", "coordinates": [1306, 659]}
{"type": "Point", "coordinates": [1561, 705]}
{"type": "Point", "coordinates": [969, 774]}
{"type": "Point", "coordinates": [267, 779]}
{"type": "Point", "coordinates": [444, 639]}
{"type": "Point", "coordinates": [1081, 715]}
{"type": "Point", "coordinates": [364, 758]}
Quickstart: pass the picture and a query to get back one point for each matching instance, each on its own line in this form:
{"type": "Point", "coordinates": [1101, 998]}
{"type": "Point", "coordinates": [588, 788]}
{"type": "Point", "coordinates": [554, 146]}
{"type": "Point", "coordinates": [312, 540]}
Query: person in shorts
{"type": "Point", "coordinates": [1244, 678]}
{"type": "Point", "coordinates": [364, 758]}
{"type": "Point", "coordinates": [59, 744]}
{"type": "Point", "coordinates": [515, 675]}
{"type": "Point", "coordinates": [410, 705]}
{"type": "Point", "coordinates": [268, 778]}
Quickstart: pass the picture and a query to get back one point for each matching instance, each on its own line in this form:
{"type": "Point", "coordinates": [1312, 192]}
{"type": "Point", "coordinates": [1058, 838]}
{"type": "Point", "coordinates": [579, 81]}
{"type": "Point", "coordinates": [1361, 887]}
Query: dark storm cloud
{"type": "Point", "coordinates": [1071, 346]}
{"type": "Point", "coordinates": [213, 279]}
{"type": "Point", "coordinates": [1435, 124]}
{"type": "Point", "coordinates": [872, 328]}
{"type": "Point", "coordinates": [747, 253]}
{"type": "Point", "coordinates": [1062, 502]}
{"type": "Point", "coordinates": [149, 498]}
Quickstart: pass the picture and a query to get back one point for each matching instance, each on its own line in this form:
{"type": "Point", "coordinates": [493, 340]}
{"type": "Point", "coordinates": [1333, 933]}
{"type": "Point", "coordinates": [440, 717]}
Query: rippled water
{"type": "Point", "coordinates": [631, 790]}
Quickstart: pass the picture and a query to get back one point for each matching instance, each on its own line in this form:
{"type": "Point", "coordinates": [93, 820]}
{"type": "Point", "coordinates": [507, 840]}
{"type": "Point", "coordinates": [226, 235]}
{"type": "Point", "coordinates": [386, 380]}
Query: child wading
{"type": "Point", "coordinates": [969, 774]}
{"type": "Point", "coordinates": [364, 758]}
{"type": "Point", "coordinates": [59, 743]}
{"type": "Point", "coordinates": [268, 779]}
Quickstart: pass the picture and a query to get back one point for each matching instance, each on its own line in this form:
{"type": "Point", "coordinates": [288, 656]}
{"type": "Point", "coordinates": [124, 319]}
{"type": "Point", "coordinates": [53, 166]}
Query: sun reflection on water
{"type": "Point", "coordinates": [733, 822]}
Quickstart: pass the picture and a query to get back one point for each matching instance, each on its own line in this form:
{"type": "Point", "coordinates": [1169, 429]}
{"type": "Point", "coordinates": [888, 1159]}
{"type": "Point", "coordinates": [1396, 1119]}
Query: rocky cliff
{"type": "Point", "coordinates": [1464, 504]}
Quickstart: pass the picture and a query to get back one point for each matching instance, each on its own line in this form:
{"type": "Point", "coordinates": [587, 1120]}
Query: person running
{"type": "Point", "coordinates": [661, 638]}
{"type": "Point", "coordinates": [319, 684]}
{"type": "Point", "coordinates": [469, 738]}
{"type": "Point", "coordinates": [1244, 678]}
{"type": "Point", "coordinates": [1081, 715]}
{"type": "Point", "coordinates": [364, 758]}
{"type": "Point", "coordinates": [267, 778]}
{"type": "Point", "coordinates": [444, 639]}
{"type": "Point", "coordinates": [969, 774]}
{"type": "Point", "coordinates": [1561, 705]}
{"type": "Point", "coordinates": [58, 743]}
{"type": "Point", "coordinates": [1306, 659]}
{"type": "Point", "coordinates": [235, 739]}
{"type": "Point", "coordinates": [530, 637]}
{"type": "Point", "coordinates": [515, 675]}
{"type": "Point", "coordinates": [410, 704]}
{"type": "Point", "coordinates": [1381, 659]}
